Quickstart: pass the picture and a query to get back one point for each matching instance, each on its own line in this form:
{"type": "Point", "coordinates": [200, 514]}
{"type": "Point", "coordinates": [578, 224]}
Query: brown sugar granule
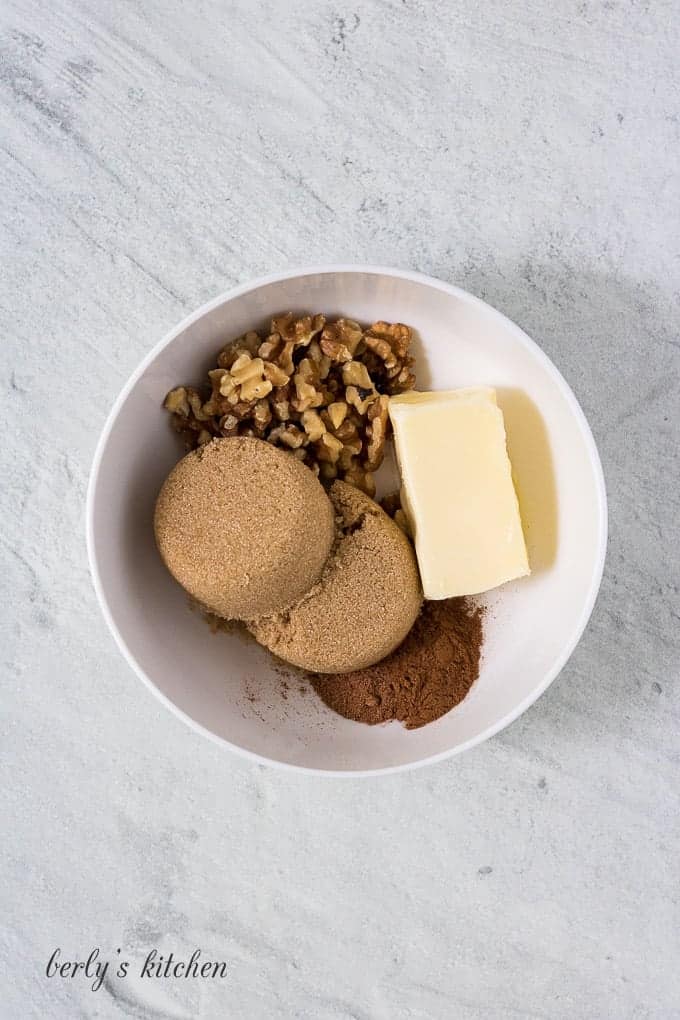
{"type": "Point", "coordinates": [431, 671]}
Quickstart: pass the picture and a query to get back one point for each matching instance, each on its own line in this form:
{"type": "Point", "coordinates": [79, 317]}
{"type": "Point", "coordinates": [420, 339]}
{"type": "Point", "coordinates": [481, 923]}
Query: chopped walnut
{"type": "Point", "coordinates": [336, 351]}
{"type": "Point", "coordinates": [176, 402]}
{"type": "Point", "coordinates": [196, 405]}
{"type": "Point", "coordinates": [355, 373]}
{"type": "Point", "coordinates": [299, 331]}
{"type": "Point", "coordinates": [328, 448]}
{"type": "Point", "coordinates": [345, 332]}
{"type": "Point", "coordinates": [281, 408]}
{"type": "Point", "coordinates": [360, 398]}
{"type": "Point", "coordinates": [287, 435]}
{"type": "Point", "coordinates": [337, 412]}
{"type": "Point", "coordinates": [340, 339]}
{"type": "Point", "coordinates": [275, 374]}
{"type": "Point", "coordinates": [380, 346]}
{"type": "Point", "coordinates": [262, 415]}
{"type": "Point", "coordinates": [377, 432]}
{"type": "Point", "coordinates": [361, 479]}
{"type": "Point", "coordinates": [229, 425]}
{"type": "Point", "coordinates": [391, 504]}
{"type": "Point", "coordinates": [389, 343]}
{"type": "Point", "coordinates": [319, 389]}
{"type": "Point", "coordinates": [306, 394]}
{"type": "Point", "coordinates": [245, 381]}
{"type": "Point", "coordinates": [313, 425]}
{"type": "Point", "coordinates": [397, 335]}
{"type": "Point", "coordinates": [323, 362]}
{"type": "Point", "coordinates": [401, 519]}
{"type": "Point", "coordinates": [285, 358]}
{"type": "Point", "coordinates": [270, 347]}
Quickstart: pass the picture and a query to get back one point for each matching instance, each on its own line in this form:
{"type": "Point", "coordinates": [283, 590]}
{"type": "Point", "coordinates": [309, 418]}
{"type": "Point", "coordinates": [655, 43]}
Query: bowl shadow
{"type": "Point", "coordinates": [533, 474]}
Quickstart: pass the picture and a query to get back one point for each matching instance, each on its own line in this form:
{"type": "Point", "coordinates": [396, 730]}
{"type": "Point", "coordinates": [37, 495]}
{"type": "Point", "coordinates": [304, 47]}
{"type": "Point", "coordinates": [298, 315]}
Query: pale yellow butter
{"type": "Point", "coordinates": [457, 490]}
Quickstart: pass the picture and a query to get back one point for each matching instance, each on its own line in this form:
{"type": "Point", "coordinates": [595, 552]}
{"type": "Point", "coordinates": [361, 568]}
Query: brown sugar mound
{"type": "Point", "coordinates": [244, 527]}
{"type": "Point", "coordinates": [427, 675]}
{"type": "Point", "coordinates": [367, 599]}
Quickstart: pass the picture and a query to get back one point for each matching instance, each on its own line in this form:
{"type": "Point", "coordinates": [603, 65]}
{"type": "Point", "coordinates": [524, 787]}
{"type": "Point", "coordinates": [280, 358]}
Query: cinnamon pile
{"type": "Point", "coordinates": [428, 674]}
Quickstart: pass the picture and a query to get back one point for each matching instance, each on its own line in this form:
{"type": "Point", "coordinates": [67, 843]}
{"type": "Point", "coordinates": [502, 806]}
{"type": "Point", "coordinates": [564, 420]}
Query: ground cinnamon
{"type": "Point", "coordinates": [430, 672]}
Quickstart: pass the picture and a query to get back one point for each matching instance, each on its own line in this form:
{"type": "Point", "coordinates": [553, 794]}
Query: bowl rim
{"type": "Point", "coordinates": [367, 270]}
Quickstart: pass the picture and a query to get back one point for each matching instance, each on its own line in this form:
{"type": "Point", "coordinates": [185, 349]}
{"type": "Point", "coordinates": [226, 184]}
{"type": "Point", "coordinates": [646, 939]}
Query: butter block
{"type": "Point", "coordinates": [457, 490]}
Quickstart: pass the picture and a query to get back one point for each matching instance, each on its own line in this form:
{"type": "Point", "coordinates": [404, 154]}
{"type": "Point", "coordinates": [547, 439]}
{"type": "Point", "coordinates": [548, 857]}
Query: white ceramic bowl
{"type": "Point", "coordinates": [225, 687]}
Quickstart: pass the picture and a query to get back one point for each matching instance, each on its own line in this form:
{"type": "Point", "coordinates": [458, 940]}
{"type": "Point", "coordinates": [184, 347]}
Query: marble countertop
{"type": "Point", "coordinates": [153, 154]}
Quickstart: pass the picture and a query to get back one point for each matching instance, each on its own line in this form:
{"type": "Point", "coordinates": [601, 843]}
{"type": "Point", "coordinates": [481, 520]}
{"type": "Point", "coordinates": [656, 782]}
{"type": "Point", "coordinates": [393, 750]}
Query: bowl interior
{"type": "Point", "coordinates": [228, 685]}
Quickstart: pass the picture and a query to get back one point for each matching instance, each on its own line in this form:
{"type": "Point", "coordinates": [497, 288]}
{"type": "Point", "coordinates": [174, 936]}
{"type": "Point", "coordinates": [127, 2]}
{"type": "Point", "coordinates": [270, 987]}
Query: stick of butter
{"type": "Point", "coordinates": [457, 490]}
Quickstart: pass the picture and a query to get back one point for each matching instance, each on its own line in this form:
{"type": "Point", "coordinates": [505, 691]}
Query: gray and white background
{"type": "Point", "coordinates": [155, 153]}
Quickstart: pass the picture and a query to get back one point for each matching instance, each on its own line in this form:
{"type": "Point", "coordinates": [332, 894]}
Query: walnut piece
{"type": "Point", "coordinates": [391, 504]}
{"type": "Point", "coordinates": [315, 387]}
{"type": "Point", "coordinates": [401, 519]}
{"type": "Point", "coordinates": [176, 402]}
{"type": "Point", "coordinates": [377, 432]}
